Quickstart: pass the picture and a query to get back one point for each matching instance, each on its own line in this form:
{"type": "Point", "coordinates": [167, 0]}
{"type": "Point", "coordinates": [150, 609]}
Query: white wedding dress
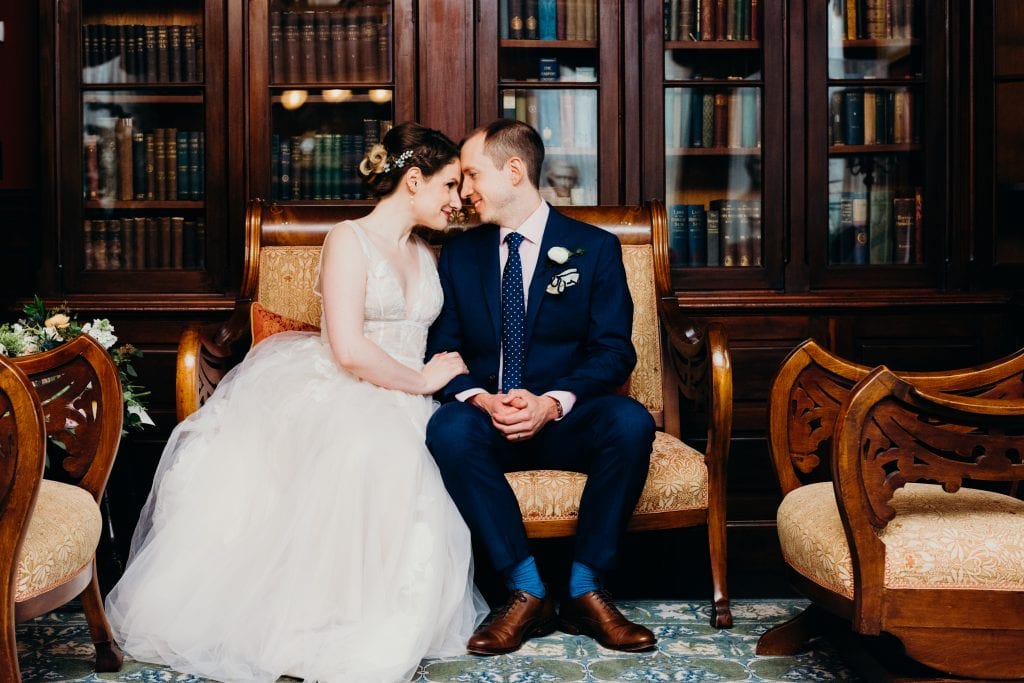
{"type": "Point", "coordinates": [297, 523]}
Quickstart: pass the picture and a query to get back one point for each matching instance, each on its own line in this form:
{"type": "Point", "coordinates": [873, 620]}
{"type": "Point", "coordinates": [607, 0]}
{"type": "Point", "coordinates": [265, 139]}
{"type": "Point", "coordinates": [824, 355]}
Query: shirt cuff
{"type": "Point", "coordinates": [566, 398]}
{"type": "Point", "coordinates": [464, 396]}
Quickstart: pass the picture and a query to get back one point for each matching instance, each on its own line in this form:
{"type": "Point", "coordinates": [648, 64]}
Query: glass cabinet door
{"type": "Point", "coordinates": [325, 87]}
{"type": "Point", "coordinates": [554, 67]}
{"type": "Point", "coordinates": [878, 140]}
{"type": "Point", "coordinates": [714, 70]}
{"type": "Point", "coordinates": [141, 173]}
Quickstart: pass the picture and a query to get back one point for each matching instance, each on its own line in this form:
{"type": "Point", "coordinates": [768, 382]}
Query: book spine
{"type": "Point", "coordinates": [88, 249]}
{"type": "Point", "coordinates": [367, 45]}
{"type": "Point", "coordinates": [756, 248]}
{"type": "Point", "coordinates": [384, 44]}
{"type": "Point", "coordinates": [560, 19]}
{"type": "Point", "coordinates": [853, 117]}
{"type": "Point", "coordinates": [678, 235]}
{"type": "Point", "coordinates": [165, 251]}
{"type": "Point", "coordinates": [115, 247]}
{"type": "Point", "coordinates": [292, 47]}
{"type": "Point", "coordinates": [177, 236]}
{"type": "Point", "coordinates": [200, 243]}
{"type": "Point", "coordinates": [152, 68]}
{"type": "Point", "coordinates": [708, 29]}
{"type": "Point", "coordinates": [516, 21]}
{"type": "Point", "coordinates": [918, 225]}
{"type": "Point", "coordinates": [139, 259]}
{"type": "Point", "coordinates": [307, 39]}
{"type": "Point", "coordinates": [128, 243]}
{"type": "Point", "coordinates": [860, 228]}
{"type": "Point", "coordinates": [138, 165]}
{"type": "Point", "coordinates": [547, 21]}
{"type": "Point", "coordinates": [99, 244]}
{"type": "Point", "coordinates": [530, 19]}
{"type": "Point", "coordinates": [188, 49]}
{"type": "Point", "coordinates": [184, 185]}
{"type": "Point", "coordinates": [188, 245]}
{"type": "Point", "coordinates": [704, 135]}
{"type": "Point", "coordinates": [276, 47]}
{"type": "Point", "coordinates": [91, 164]}
{"type": "Point", "coordinates": [175, 58]}
{"type": "Point", "coordinates": [163, 58]}
{"type": "Point", "coordinates": [152, 243]}
{"type": "Point", "coordinates": [171, 170]}
{"type": "Point", "coordinates": [324, 66]}
{"type": "Point", "coordinates": [697, 231]}
{"type": "Point", "coordinates": [720, 120]}
{"type": "Point", "coordinates": [744, 234]}
{"type": "Point", "coordinates": [714, 238]}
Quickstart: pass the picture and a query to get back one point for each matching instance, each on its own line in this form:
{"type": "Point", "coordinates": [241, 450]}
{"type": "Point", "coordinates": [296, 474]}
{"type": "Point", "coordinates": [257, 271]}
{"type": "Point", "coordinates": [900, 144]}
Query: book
{"type": "Point", "coordinates": [115, 246]}
{"type": "Point", "coordinates": [859, 208]}
{"type": "Point", "coordinates": [547, 69]}
{"type": "Point", "coordinates": [324, 65]}
{"type": "Point", "coordinates": [99, 244]}
{"type": "Point", "coordinates": [188, 49]}
{"type": "Point", "coordinates": [163, 57]}
{"type": "Point", "coordinates": [188, 245]}
{"type": "Point", "coordinates": [678, 235]}
{"type": "Point", "coordinates": [290, 38]}
{"type": "Point", "coordinates": [714, 238]}
{"type": "Point", "coordinates": [547, 21]}
{"type": "Point", "coordinates": [903, 211]}
{"type": "Point", "coordinates": [88, 249]}
{"type": "Point", "coordinates": [707, 22]}
{"type": "Point", "coordinates": [174, 55]}
{"type": "Point", "coordinates": [152, 243]}
{"type": "Point", "coordinates": [515, 19]}
{"type": "Point", "coordinates": [530, 19]}
{"type": "Point", "coordinates": [150, 50]}
{"type": "Point", "coordinates": [697, 235]}
{"type": "Point", "coordinates": [339, 64]}
{"type": "Point", "coordinates": [853, 117]}
{"type": "Point", "coordinates": [307, 46]}
{"type": "Point", "coordinates": [177, 235]}
{"type": "Point", "coordinates": [880, 227]}
{"type": "Point", "coordinates": [184, 175]}
{"type": "Point", "coordinates": [91, 166]}
{"type": "Point", "coordinates": [138, 165]}
{"type": "Point", "coordinates": [128, 244]}
{"type": "Point", "coordinates": [123, 139]}
{"type": "Point", "coordinates": [834, 227]}
{"type": "Point", "coordinates": [171, 163]}
{"type": "Point", "coordinates": [150, 140]}
{"type": "Point", "coordinates": [139, 259]}
{"type": "Point", "coordinates": [367, 45]}
{"type": "Point", "coordinates": [164, 252]}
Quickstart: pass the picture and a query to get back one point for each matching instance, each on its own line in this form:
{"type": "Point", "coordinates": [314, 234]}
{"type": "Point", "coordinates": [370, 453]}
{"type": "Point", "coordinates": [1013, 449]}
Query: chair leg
{"type": "Point", "coordinates": [9, 670]}
{"type": "Point", "coordinates": [721, 616]}
{"type": "Point", "coordinates": [108, 654]}
{"type": "Point", "coordinates": [791, 637]}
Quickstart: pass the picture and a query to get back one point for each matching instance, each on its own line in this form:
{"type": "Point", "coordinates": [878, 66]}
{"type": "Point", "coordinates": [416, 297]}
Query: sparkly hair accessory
{"type": "Point", "coordinates": [399, 161]}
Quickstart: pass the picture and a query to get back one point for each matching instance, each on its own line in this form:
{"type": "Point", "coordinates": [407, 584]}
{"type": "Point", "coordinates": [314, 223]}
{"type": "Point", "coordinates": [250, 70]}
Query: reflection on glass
{"type": "Point", "coordinates": [874, 39]}
{"type": "Point", "coordinates": [713, 175]}
{"type": "Point", "coordinates": [350, 43]}
{"type": "Point", "coordinates": [567, 122]}
{"type": "Point", "coordinates": [316, 148]}
{"type": "Point", "coordinates": [874, 210]}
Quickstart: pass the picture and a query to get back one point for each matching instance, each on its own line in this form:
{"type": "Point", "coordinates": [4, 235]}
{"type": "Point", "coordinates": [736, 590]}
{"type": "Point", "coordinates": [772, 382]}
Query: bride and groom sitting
{"type": "Point", "coordinates": [271, 545]}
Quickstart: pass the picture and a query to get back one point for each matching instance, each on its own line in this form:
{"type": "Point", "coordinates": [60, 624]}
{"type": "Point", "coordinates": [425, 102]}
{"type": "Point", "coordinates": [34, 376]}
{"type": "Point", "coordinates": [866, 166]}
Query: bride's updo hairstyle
{"type": "Point", "coordinates": [406, 145]}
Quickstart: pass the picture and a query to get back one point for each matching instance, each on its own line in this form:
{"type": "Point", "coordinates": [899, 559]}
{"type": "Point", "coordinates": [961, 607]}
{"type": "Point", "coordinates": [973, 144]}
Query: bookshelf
{"type": "Point", "coordinates": [328, 82]}
{"type": "Point", "coordinates": [137, 161]}
{"type": "Point", "coordinates": [554, 64]}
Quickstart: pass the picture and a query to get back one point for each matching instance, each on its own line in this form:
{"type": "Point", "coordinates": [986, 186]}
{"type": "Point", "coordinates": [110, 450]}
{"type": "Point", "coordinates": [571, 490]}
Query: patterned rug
{"type": "Point", "coordinates": [57, 648]}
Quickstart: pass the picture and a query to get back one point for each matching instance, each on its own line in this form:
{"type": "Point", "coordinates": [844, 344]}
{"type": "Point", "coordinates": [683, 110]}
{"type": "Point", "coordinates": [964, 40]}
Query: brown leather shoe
{"type": "Point", "coordinates": [522, 616]}
{"type": "Point", "coordinates": [593, 614]}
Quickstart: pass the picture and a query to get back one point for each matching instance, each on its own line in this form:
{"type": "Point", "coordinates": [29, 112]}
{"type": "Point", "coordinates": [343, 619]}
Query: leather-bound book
{"type": "Point", "coordinates": [88, 57]}
{"type": "Point", "coordinates": [175, 58]}
{"type": "Point", "coordinates": [531, 19]}
{"type": "Point", "coordinates": [163, 57]}
{"type": "Point", "coordinates": [560, 19]}
{"type": "Point", "coordinates": [188, 245]}
{"type": "Point", "coordinates": [152, 243]}
{"type": "Point", "coordinates": [383, 45]}
{"type": "Point", "coordinates": [276, 48]}
{"type": "Point", "coordinates": [91, 164]}
{"type": "Point", "coordinates": [88, 249]}
{"type": "Point", "coordinates": [171, 167]}
{"type": "Point", "coordinates": [200, 243]}
{"type": "Point", "coordinates": [177, 243]}
{"type": "Point", "coordinates": [139, 259]}
{"type": "Point", "coordinates": [516, 21]}
{"type": "Point", "coordinates": [324, 70]}
{"type": "Point", "coordinates": [353, 69]}
{"type": "Point", "coordinates": [122, 54]}
{"type": "Point", "coordinates": [128, 243]}
{"type": "Point", "coordinates": [99, 244]}
{"type": "Point", "coordinates": [292, 48]}
{"type": "Point", "coordinates": [755, 19]}
{"type": "Point", "coordinates": [123, 135]}
{"type": "Point", "coordinates": [151, 190]}
{"type": "Point", "coordinates": [307, 40]}
{"type": "Point", "coordinates": [164, 234]}
{"type": "Point", "coordinates": [339, 65]}
{"type": "Point", "coordinates": [184, 187]}
{"type": "Point", "coordinates": [720, 121]}
{"type": "Point", "coordinates": [108, 159]}
{"type": "Point", "coordinates": [160, 171]}
{"type": "Point", "coordinates": [115, 246]}
{"type": "Point", "coordinates": [707, 22]}
{"type": "Point", "coordinates": [200, 54]}
{"type": "Point", "coordinates": [138, 165]}
{"type": "Point", "coordinates": [150, 51]}
{"type": "Point", "coordinates": [188, 54]}
{"type": "Point", "coordinates": [589, 19]}
{"type": "Point", "coordinates": [367, 45]}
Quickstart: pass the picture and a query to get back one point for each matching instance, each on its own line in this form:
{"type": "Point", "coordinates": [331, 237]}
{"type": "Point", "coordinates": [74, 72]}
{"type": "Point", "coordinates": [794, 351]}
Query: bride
{"type": "Point", "coordinates": [297, 524]}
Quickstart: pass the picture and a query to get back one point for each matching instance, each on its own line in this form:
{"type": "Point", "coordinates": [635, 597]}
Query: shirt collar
{"type": "Point", "coordinates": [532, 228]}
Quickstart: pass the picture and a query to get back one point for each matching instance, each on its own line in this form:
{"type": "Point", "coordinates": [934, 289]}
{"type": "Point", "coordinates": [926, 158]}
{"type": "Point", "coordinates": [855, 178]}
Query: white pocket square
{"type": "Point", "coordinates": [567, 278]}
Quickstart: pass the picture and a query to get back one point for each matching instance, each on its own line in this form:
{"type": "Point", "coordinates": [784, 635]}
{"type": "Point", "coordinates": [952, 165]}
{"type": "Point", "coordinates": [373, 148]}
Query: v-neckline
{"type": "Point", "coordinates": [414, 289]}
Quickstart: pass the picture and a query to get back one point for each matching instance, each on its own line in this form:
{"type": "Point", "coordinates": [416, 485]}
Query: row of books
{"type": "Point", "coordinates": [162, 242]}
{"type": "Point", "coordinates": [566, 119]}
{"type": "Point", "coordinates": [139, 53]}
{"type": "Point", "coordinates": [727, 232]}
{"type": "Point", "coordinates": [859, 19]}
{"type": "Point", "coordinates": [317, 166]}
{"type": "Point", "coordinates": [712, 19]}
{"type": "Point", "coordinates": [862, 116]}
{"type": "Point", "coordinates": [124, 164]}
{"type": "Point", "coordinates": [548, 69]}
{"type": "Point", "coordinates": [549, 19]}
{"type": "Point", "coordinates": [338, 45]}
{"type": "Point", "coordinates": [712, 117]}
{"type": "Point", "coordinates": [875, 228]}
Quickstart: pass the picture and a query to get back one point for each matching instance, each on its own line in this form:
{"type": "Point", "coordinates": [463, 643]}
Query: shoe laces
{"type": "Point", "coordinates": [605, 598]}
{"type": "Point", "coordinates": [518, 596]}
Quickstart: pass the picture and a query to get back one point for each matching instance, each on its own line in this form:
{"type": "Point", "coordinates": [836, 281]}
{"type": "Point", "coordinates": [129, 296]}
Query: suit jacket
{"type": "Point", "coordinates": [577, 340]}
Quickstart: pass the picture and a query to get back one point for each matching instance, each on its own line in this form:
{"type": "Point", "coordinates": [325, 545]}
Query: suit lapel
{"type": "Point", "coordinates": [541, 274]}
{"type": "Point", "coordinates": [490, 278]}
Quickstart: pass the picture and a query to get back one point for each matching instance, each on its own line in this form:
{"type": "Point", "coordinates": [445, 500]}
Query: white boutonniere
{"type": "Point", "coordinates": [567, 278]}
{"type": "Point", "coordinates": [560, 255]}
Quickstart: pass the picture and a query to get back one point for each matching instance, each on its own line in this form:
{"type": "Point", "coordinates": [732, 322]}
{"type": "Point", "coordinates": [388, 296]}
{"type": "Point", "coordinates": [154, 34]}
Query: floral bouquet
{"type": "Point", "coordinates": [42, 329]}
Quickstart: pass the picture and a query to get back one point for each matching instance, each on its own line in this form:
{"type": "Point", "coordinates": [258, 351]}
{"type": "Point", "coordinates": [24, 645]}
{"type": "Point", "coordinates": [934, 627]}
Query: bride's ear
{"type": "Point", "coordinates": [413, 179]}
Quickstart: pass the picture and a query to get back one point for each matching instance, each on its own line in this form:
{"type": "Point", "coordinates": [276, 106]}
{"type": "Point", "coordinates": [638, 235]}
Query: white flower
{"type": "Point", "coordinates": [559, 254]}
{"type": "Point", "coordinates": [51, 332]}
{"type": "Point", "coordinates": [135, 409]}
{"type": "Point", "coordinates": [3, 350]}
{"type": "Point", "coordinates": [102, 331]}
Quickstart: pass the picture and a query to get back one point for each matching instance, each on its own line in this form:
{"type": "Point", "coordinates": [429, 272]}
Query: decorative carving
{"type": "Point", "coordinates": [813, 406]}
{"type": "Point", "coordinates": [902, 443]}
{"type": "Point", "coordinates": [71, 402]}
{"type": "Point", "coordinates": [8, 449]}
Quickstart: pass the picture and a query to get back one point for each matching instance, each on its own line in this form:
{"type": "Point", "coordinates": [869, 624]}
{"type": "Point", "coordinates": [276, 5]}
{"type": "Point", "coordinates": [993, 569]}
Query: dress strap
{"type": "Point", "coordinates": [369, 251]}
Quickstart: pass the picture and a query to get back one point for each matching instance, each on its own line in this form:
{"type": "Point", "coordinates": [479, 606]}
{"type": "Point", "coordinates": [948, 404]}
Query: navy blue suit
{"type": "Point", "coordinates": [578, 340]}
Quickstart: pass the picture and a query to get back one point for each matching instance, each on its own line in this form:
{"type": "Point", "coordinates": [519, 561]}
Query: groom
{"type": "Point", "coordinates": [537, 304]}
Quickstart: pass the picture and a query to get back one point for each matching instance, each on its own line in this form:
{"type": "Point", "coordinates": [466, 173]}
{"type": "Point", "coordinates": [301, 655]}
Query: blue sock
{"type": "Point", "coordinates": [582, 580]}
{"type": "Point", "coordinates": [524, 576]}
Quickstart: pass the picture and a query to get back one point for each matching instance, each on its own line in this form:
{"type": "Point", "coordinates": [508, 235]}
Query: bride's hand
{"type": "Point", "coordinates": [441, 369]}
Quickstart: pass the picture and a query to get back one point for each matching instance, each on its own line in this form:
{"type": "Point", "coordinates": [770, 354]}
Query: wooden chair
{"type": "Point", "coordinates": [675, 359]}
{"type": "Point", "coordinates": [51, 526]}
{"type": "Point", "coordinates": [836, 551]}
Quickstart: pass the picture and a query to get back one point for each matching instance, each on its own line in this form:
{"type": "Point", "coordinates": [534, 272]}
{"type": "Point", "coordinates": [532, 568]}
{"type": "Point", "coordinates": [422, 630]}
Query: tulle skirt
{"type": "Point", "coordinates": [298, 525]}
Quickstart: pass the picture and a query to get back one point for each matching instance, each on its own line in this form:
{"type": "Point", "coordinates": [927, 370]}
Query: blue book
{"type": "Point", "coordinates": [548, 69]}
{"type": "Point", "coordinates": [546, 21]}
{"type": "Point", "coordinates": [748, 131]}
{"type": "Point", "coordinates": [550, 114]}
{"type": "Point", "coordinates": [697, 231]}
{"type": "Point", "coordinates": [853, 109]}
{"type": "Point", "coordinates": [678, 236]}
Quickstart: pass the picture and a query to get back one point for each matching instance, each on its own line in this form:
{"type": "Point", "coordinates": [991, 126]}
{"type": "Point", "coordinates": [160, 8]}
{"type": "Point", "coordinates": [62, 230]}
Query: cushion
{"type": "Point", "coordinates": [677, 480]}
{"type": "Point", "coordinates": [970, 539]}
{"type": "Point", "coordinates": [265, 323]}
{"type": "Point", "coordinates": [61, 539]}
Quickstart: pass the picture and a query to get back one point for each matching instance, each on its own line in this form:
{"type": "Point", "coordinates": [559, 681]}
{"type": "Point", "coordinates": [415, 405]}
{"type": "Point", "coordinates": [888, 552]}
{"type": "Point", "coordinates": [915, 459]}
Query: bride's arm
{"type": "Point", "coordinates": [343, 282]}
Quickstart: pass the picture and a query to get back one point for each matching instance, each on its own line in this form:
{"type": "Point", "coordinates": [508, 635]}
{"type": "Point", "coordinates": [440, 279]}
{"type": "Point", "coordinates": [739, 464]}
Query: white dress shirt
{"type": "Point", "coordinates": [532, 230]}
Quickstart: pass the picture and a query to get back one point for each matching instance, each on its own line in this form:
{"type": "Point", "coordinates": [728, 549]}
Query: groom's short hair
{"type": "Point", "coordinates": [507, 138]}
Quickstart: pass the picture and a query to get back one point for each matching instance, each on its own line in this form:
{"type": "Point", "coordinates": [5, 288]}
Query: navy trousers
{"type": "Point", "coordinates": [609, 438]}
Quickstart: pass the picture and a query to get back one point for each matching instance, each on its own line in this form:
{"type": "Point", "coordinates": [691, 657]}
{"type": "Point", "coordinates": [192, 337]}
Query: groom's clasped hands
{"type": "Point", "coordinates": [519, 414]}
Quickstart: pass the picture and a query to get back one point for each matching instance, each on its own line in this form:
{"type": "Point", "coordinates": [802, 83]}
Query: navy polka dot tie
{"type": "Point", "coordinates": [513, 316]}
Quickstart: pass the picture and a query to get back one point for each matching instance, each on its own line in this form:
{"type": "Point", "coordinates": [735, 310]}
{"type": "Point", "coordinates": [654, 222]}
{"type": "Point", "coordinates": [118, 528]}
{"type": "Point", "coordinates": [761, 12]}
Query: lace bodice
{"type": "Point", "coordinates": [396, 325]}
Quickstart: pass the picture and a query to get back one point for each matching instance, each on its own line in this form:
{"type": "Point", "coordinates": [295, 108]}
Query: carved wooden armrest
{"type": "Point", "coordinates": [205, 356]}
{"type": "Point", "coordinates": [702, 368]}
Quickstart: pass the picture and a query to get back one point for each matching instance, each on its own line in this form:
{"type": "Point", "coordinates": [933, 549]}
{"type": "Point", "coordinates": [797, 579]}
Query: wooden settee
{"type": "Point", "coordinates": [676, 360]}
